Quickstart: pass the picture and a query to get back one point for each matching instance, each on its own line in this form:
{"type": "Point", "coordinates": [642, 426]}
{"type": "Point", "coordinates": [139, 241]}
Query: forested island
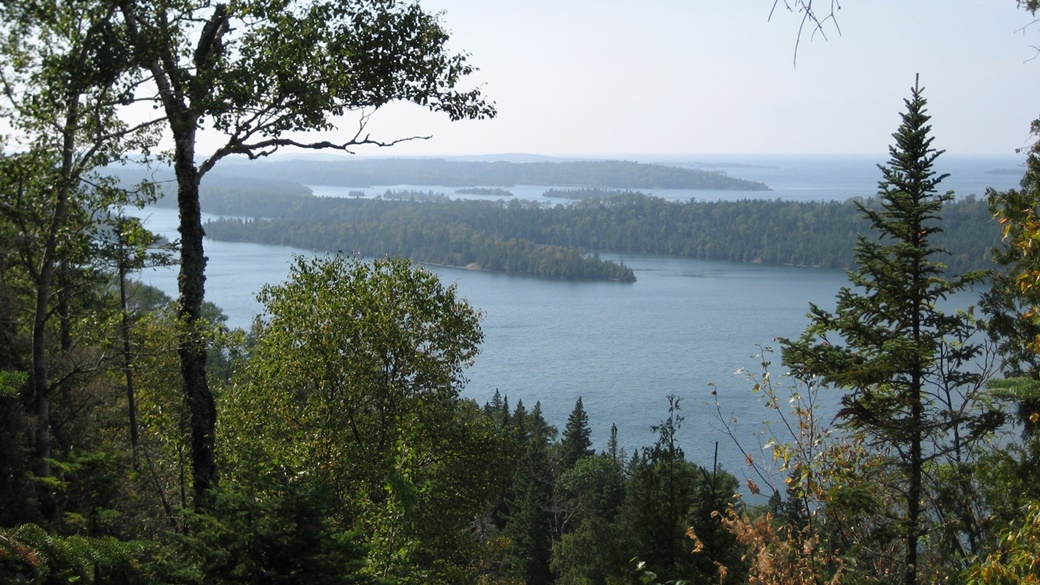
{"type": "Point", "coordinates": [491, 191]}
{"type": "Point", "coordinates": [561, 241]}
{"type": "Point", "coordinates": [584, 193]}
{"type": "Point", "coordinates": [453, 173]}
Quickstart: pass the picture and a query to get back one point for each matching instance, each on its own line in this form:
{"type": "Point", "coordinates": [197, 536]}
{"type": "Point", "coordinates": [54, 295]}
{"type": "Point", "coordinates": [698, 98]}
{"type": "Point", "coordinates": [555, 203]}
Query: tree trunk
{"type": "Point", "coordinates": [178, 95]}
{"type": "Point", "coordinates": [913, 497]}
{"type": "Point", "coordinates": [44, 280]}
{"type": "Point", "coordinates": [128, 369]}
{"type": "Point", "coordinates": [192, 343]}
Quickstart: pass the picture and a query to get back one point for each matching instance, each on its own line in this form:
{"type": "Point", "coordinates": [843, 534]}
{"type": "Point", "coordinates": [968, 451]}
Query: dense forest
{"type": "Point", "coordinates": [143, 441]}
{"type": "Point", "coordinates": [524, 237]}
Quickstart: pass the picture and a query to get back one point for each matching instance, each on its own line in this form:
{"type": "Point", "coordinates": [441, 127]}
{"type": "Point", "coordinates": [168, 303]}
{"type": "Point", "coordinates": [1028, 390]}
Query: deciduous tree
{"type": "Point", "coordinates": [353, 385]}
{"type": "Point", "coordinates": [258, 73]}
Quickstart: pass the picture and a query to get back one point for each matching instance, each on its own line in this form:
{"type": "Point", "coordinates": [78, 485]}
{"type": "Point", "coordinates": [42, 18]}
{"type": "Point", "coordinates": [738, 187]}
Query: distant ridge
{"type": "Point", "coordinates": [499, 173]}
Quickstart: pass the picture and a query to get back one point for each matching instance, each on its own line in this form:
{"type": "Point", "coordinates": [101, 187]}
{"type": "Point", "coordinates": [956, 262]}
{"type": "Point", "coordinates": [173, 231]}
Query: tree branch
{"type": "Point", "coordinates": [811, 18]}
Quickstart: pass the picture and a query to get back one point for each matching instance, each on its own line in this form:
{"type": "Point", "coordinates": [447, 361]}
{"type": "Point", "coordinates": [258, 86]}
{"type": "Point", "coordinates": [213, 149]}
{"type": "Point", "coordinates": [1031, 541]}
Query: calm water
{"type": "Point", "coordinates": [684, 328]}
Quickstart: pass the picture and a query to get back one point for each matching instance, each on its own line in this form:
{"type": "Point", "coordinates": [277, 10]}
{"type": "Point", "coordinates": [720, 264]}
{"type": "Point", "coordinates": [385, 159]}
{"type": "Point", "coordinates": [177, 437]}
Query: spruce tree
{"type": "Point", "coordinates": [577, 441]}
{"type": "Point", "coordinates": [529, 521]}
{"type": "Point", "coordinates": [903, 362]}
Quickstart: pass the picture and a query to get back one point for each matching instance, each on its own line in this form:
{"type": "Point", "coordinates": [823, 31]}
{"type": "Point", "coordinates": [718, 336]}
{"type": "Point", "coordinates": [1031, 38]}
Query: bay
{"type": "Point", "coordinates": [685, 328]}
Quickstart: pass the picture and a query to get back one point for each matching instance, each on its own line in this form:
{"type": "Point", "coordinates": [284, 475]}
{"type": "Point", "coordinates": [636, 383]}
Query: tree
{"type": "Point", "coordinates": [258, 72]}
{"type": "Point", "coordinates": [353, 387]}
{"type": "Point", "coordinates": [588, 497]}
{"type": "Point", "coordinates": [1015, 560]}
{"type": "Point", "coordinates": [529, 521]}
{"type": "Point", "coordinates": [128, 248]}
{"type": "Point", "coordinates": [904, 361]}
{"type": "Point", "coordinates": [577, 442]}
{"type": "Point", "coordinates": [664, 496]}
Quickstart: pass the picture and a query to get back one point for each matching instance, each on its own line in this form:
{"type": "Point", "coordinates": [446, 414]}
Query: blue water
{"type": "Point", "coordinates": [684, 328]}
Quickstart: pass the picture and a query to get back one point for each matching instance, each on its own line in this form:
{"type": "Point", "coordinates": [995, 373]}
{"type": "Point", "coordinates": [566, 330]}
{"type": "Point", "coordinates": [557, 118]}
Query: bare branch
{"type": "Point", "coordinates": [812, 19]}
{"type": "Point", "coordinates": [239, 143]}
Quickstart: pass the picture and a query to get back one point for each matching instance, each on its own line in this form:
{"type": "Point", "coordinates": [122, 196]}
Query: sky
{"type": "Point", "coordinates": [660, 78]}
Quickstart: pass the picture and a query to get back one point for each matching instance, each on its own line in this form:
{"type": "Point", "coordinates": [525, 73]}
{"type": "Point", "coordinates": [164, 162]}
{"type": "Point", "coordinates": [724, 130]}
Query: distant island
{"type": "Point", "coordinates": [494, 191]}
{"type": "Point", "coordinates": [583, 193]}
{"type": "Point", "coordinates": [452, 173]}
{"type": "Point", "coordinates": [413, 195]}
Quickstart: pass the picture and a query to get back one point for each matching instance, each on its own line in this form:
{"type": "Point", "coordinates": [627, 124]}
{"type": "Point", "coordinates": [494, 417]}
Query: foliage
{"type": "Point", "coordinates": [349, 455]}
{"type": "Point", "coordinates": [259, 73]}
{"type": "Point", "coordinates": [1012, 304]}
{"type": "Point", "coordinates": [780, 553]}
{"type": "Point", "coordinates": [353, 384]}
{"type": "Point", "coordinates": [528, 517]}
{"type": "Point", "coordinates": [284, 534]}
{"type": "Point", "coordinates": [576, 443]}
{"type": "Point", "coordinates": [11, 382]}
{"type": "Point", "coordinates": [668, 498]}
{"type": "Point", "coordinates": [64, 80]}
{"type": "Point", "coordinates": [1017, 560]}
{"type": "Point", "coordinates": [588, 498]}
{"type": "Point", "coordinates": [799, 536]}
{"type": "Point", "coordinates": [30, 554]}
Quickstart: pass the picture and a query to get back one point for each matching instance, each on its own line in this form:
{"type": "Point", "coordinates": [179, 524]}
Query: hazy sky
{"type": "Point", "coordinates": [671, 77]}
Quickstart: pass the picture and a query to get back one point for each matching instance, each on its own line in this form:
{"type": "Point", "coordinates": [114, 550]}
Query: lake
{"type": "Point", "coordinates": [684, 328]}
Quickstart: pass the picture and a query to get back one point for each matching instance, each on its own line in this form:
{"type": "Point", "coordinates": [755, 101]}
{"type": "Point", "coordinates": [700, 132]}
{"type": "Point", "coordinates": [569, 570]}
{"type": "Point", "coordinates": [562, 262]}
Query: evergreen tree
{"type": "Point", "coordinates": [577, 442]}
{"type": "Point", "coordinates": [659, 496]}
{"type": "Point", "coordinates": [529, 523]}
{"type": "Point", "coordinates": [588, 498]}
{"type": "Point", "coordinates": [902, 360]}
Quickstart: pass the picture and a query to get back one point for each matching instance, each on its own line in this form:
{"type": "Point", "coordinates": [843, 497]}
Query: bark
{"type": "Point", "coordinates": [192, 344]}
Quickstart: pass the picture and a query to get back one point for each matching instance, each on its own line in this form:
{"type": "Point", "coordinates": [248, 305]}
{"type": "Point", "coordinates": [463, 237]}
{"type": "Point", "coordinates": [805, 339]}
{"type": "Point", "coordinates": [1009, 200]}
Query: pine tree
{"type": "Point", "coordinates": [901, 359]}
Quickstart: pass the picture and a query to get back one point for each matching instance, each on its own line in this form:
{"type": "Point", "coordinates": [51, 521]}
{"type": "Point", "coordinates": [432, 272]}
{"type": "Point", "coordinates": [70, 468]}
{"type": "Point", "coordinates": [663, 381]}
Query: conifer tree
{"type": "Point", "coordinates": [577, 441]}
{"type": "Point", "coordinates": [902, 361]}
{"type": "Point", "coordinates": [529, 524]}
